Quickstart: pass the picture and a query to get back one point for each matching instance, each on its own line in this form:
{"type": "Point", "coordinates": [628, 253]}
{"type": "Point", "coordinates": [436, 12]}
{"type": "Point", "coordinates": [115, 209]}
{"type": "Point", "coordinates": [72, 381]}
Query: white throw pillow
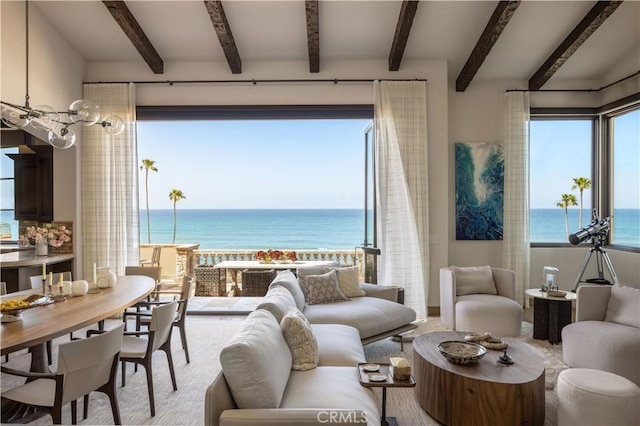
{"type": "Point", "coordinates": [257, 362]}
{"type": "Point", "coordinates": [624, 306]}
{"type": "Point", "coordinates": [278, 301]}
{"type": "Point", "coordinates": [324, 288]}
{"type": "Point", "coordinates": [302, 342]}
{"type": "Point", "coordinates": [349, 280]}
{"type": "Point", "coordinates": [289, 281]}
{"type": "Point", "coordinates": [474, 280]}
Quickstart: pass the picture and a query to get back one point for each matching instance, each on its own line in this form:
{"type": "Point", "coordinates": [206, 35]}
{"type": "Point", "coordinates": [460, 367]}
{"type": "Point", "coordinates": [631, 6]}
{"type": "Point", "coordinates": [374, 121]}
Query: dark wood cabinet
{"type": "Point", "coordinates": [34, 184]}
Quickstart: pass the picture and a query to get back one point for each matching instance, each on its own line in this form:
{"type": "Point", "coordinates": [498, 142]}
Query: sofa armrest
{"type": "Point", "coordinates": [505, 280]}
{"type": "Point", "coordinates": [592, 301]}
{"type": "Point", "coordinates": [380, 291]}
{"type": "Point", "coordinates": [447, 298]}
{"type": "Point", "coordinates": [217, 399]}
{"type": "Point", "coordinates": [292, 416]}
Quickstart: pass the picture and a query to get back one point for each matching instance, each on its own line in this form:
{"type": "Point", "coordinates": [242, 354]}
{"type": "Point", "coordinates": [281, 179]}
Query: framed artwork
{"type": "Point", "coordinates": [479, 190]}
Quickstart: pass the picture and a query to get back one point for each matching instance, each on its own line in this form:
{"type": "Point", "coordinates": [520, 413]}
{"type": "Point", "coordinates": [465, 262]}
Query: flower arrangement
{"type": "Point", "coordinates": [55, 235]}
{"type": "Point", "coordinates": [271, 256]}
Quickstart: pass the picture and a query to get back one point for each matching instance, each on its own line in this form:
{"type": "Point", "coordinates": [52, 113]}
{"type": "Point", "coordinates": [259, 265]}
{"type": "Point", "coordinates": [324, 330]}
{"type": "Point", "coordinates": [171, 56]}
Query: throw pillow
{"type": "Point", "coordinates": [474, 280]}
{"type": "Point", "coordinates": [302, 342]}
{"type": "Point", "coordinates": [303, 271]}
{"type": "Point", "coordinates": [278, 301]}
{"type": "Point", "coordinates": [349, 281]}
{"type": "Point", "coordinates": [324, 288]}
{"type": "Point", "coordinates": [256, 362]}
{"type": "Point", "coordinates": [289, 281]}
{"type": "Point", "coordinates": [624, 306]}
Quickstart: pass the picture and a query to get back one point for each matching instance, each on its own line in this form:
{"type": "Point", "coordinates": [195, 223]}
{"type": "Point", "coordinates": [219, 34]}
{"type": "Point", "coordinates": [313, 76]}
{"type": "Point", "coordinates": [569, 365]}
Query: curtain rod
{"type": "Point", "coordinates": [254, 82]}
{"type": "Point", "coordinates": [577, 90]}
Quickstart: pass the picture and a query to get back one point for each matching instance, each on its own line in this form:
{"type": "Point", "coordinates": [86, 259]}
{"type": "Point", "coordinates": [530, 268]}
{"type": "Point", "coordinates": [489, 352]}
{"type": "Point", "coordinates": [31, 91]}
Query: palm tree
{"type": "Point", "coordinates": [581, 183]}
{"type": "Point", "coordinates": [175, 195]}
{"type": "Point", "coordinates": [146, 166]}
{"type": "Point", "coordinates": [566, 201]}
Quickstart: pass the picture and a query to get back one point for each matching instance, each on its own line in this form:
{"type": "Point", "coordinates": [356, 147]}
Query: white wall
{"type": "Point", "coordinates": [56, 72]}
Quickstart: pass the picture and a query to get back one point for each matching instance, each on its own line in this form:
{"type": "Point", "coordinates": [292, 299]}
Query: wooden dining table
{"type": "Point", "coordinates": [43, 323]}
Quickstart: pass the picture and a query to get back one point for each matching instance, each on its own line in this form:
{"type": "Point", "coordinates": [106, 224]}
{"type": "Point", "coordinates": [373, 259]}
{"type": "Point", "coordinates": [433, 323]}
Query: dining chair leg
{"type": "Point", "coordinates": [56, 415]}
{"type": "Point", "coordinates": [166, 347]}
{"type": "Point", "coordinates": [74, 412]}
{"type": "Point", "coordinates": [152, 404]}
{"type": "Point", "coordinates": [85, 407]}
{"type": "Point", "coordinates": [124, 372]}
{"type": "Point", "coordinates": [49, 356]}
{"type": "Point", "coordinates": [183, 337]}
{"type": "Point", "coordinates": [113, 398]}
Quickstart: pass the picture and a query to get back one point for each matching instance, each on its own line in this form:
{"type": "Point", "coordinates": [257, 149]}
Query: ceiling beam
{"type": "Point", "coordinates": [589, 24]}
{"type": "Point", "coordinates": [136, 35]}
{"type": "Point", "coordinates": [497, 23]}
{"type": "Point", "coordinates": [313, 34]}
{"type": "Point", "coordinates": [223, 30]}
{"type": "Point", "coordinates": [403, 28]}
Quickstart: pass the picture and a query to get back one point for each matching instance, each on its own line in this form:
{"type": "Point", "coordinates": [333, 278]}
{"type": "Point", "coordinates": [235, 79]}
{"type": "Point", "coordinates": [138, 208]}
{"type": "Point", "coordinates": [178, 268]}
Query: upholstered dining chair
{"type": "Point", "coordinates": [182, 296]}
{"type": "Point", "coordinates": [479, 299]}
{"type": "Point", "coordinates": [138, 346]}
{"type": "Point", "coordinates": [84, 366]}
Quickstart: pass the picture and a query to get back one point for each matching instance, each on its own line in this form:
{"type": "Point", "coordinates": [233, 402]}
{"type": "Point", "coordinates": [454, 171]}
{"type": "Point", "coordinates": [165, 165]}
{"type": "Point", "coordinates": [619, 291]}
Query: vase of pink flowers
{"type": "Point", "coordinates": [47, 234]}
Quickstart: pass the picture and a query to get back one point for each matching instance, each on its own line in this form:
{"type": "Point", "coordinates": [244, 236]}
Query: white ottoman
{"type": "Point", "coordinates": [593, 397]}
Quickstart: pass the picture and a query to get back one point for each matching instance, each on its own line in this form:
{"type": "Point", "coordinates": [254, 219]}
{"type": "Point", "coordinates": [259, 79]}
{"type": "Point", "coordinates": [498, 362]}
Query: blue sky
{"type": "Point", "coordinates": [254, 164]}
{"type": "Point", "coordinates": [319, 163]}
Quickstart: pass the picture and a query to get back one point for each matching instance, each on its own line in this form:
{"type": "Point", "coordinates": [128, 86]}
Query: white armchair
{"type": "Point", "coordinates": [479, 299]}
{"type": "Point", "coordinates": [606, 334]}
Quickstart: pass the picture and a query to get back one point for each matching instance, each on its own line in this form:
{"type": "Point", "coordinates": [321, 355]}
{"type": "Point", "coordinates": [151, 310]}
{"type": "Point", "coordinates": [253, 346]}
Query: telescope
{"type": "Point", "coordinates": [597, 228]}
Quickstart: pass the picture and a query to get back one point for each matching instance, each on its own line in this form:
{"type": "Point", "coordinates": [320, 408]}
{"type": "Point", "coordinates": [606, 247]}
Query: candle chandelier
{"type": "Point", "coordinates": [43, 117]}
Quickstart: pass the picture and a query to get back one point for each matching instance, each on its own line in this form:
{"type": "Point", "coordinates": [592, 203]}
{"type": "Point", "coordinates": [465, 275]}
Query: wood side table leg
{"type": "Point", "coordinates": [540, 319]}
{"type": "Point", "coordinates": [559, 317]}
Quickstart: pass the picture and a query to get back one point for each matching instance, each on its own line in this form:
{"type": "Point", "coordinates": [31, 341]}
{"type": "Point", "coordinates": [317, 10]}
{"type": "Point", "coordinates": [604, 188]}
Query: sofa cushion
{"type": "Point", "coordinates": [289, 281]}
{"type": "Point", "coordinates": [624, 306]}
{"type": "Point", "coordinates": [302, 342]}
{"type": "Point", "coordinates": [349, 280]}
{"type": "Point", "coordinates": [324, 288]}
{"type": "Point", "coordinates": [278, 301]}
{"type": "Point", "coordinates": [305, 270]}
{"type": "Point", "coordinates": [256, 362]}
{"type": "Point", "coordinates": [474, 280]}
{"type": "Point", "coordinates": [369, 315]}
{"type": "Point", "coordinates": [330, 387]}
{"type": "Point", "coordinates": [338, 345]}
{"type": "Point", "coordinates": [471, 315]}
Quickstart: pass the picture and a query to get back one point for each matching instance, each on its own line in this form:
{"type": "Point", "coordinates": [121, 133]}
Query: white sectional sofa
{"type": "Point", "coordinates": [257, 385]}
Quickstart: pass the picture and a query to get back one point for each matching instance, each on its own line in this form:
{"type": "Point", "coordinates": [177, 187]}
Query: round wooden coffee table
{"type": "Point", "coordinates": [486, 393]}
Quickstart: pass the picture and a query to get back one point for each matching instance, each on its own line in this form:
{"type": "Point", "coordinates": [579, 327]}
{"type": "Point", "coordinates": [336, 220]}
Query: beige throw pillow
{"type": "Point", "coordinates": [324, 288]}
{"type": "Point", "coordinates": [302, 342]}
{"type": "Point", "coordinates": [624, 306]}
{"type": "Point", "coordinates": [474, 280]}
{"type": "Point", "coordinates": [349, 281]}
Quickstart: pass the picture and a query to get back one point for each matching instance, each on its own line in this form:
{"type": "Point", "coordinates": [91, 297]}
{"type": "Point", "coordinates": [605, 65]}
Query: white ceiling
{"type": "Point", "coordinates": [276, 30]}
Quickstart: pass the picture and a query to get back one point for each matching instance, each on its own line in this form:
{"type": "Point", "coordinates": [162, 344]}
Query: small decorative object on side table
{"type": "Point", "coordinates": [371, 378]}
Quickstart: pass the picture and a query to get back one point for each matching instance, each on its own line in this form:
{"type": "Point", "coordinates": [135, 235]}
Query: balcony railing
{"type": "Point", "coordinates": [188, 257]}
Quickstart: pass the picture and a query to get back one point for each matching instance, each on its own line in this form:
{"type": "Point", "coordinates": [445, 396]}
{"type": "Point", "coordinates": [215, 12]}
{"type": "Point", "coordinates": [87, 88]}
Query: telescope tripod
{"type": "Point", "coordinates": [602, 258]}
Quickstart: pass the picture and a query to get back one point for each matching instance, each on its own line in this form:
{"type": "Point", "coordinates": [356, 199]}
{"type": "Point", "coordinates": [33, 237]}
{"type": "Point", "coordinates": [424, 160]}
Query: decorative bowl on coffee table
{"type": "Point", "coordinates": [459, 352]}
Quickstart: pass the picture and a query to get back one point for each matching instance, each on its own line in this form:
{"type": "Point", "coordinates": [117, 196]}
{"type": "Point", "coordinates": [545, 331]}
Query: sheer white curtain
{"type": "Point", "coordinates": [400, 120]}
{"type": "Point", "coordinates": [110, 183]}
{"type": "Point", "coordinates": [516, 189]}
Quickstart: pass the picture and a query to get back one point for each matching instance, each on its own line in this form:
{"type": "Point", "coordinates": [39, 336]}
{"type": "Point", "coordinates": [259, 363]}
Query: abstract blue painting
{"type": "Point", "coordinates": [479, 190]}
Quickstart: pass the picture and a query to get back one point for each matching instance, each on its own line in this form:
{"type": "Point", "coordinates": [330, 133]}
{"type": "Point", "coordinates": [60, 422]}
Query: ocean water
{"type": "Point", "coordinates": [327, 229]}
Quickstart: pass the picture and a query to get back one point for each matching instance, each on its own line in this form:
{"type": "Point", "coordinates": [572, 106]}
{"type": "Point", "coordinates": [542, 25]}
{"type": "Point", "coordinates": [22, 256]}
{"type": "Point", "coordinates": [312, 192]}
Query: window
{"type": "Point", "coordinates": [8, 225]}
{"type": "Point", "coordinates": [560, 165]}
{"type": "Point", "coordinates": [248, 173]}
{"type": "Point", "coordinates": [624, 133]}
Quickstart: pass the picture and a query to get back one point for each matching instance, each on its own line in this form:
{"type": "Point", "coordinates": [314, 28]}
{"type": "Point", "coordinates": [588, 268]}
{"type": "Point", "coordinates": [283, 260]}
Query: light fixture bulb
{"type": "Point", "coordinates": [84, 112]}
{"type": "Point", "coordinates": [62, 139]}
{"type": "Point", "coordinates": [44, 117]}
{"type": "Point", "coordinates": [14, 117]}
{"type": "Point", "coordinates": [113, 125]}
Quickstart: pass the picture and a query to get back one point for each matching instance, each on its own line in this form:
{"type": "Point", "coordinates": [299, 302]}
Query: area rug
{"type": "Point", "coordinates": [207, 334]}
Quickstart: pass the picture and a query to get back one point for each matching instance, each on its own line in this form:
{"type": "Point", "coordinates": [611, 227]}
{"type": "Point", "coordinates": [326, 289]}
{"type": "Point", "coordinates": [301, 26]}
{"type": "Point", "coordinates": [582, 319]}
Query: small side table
{"type": "Point", "coordinates": [385, 370]}
{"type": "Point", "coordinates": [550, 314]}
